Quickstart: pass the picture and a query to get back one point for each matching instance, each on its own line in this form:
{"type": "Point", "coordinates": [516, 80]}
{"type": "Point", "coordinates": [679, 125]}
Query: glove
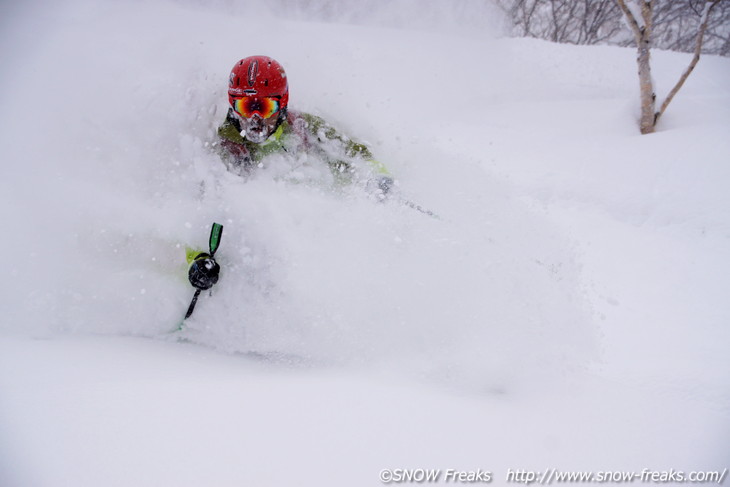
{"type": "Point", "coordinates": [380, 186]}
{"type": "Point", "coordinates": [203, 272]}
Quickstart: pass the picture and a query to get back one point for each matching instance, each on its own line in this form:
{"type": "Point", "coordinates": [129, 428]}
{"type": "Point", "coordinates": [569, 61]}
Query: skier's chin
{"type": "Point", "coordinates": [257, 136]}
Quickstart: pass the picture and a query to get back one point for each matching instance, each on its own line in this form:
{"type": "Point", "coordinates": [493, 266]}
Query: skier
{"type": "Point", "coordinates": [259, 124]}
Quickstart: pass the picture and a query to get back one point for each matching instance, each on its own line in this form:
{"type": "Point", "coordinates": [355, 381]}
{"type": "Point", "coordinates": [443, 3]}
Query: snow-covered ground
{"type": "Point", "coordinates": [568, 310]}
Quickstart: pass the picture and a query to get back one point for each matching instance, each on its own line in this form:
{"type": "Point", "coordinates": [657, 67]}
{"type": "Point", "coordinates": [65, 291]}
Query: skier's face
{"type": "Point", "coordinates": [258, 116]}
{"type": "Point", "coordinates": [257, 129]}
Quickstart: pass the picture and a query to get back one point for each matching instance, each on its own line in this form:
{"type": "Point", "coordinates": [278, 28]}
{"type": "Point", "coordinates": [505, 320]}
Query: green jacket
{"type": "Point", "coordinates": [348, 160]}
{"type": "Point", "coordinates": [299, 132]}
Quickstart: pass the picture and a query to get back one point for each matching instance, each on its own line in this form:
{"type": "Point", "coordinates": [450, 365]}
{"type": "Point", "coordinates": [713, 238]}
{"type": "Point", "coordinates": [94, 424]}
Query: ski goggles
{"type": "Point", "coordinates": [247, 106]}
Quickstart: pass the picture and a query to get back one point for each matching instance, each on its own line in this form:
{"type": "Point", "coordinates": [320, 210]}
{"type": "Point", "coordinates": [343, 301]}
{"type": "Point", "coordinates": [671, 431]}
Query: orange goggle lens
{"type": "Point", "coordinates": [249, 105]}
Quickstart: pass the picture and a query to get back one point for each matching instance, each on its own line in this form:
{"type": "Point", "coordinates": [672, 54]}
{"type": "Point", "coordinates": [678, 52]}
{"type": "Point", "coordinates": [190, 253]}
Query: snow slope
{"type": "Point", "coordinates": [567, 310]}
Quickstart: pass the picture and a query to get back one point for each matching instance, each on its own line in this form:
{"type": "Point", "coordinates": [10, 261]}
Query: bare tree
{"type": "Point", "coordinates": [521, 14]}
{"type": "Point", "coordinates": [599, 22]}
{"type": "Point", "coordinates": [677, 23]}
{"type": "Point", "coordinates": [565, 21]}
{"type": "Point", "coordinates": [640, 19]}
{"type": "Point", "coordinates": [674, 24]}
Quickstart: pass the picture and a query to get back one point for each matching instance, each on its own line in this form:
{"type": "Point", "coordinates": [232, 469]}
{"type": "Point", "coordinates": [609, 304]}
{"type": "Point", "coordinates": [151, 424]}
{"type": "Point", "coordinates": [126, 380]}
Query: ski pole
{"type": "Point", "coordinates": [191, 308]}
{"type": "Point", "coordinates": [418, 207]}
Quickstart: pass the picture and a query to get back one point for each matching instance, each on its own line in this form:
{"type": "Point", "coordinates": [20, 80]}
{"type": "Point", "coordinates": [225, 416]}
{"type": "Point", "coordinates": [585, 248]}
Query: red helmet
{"type": "Point", "coordinates": [258, 76]}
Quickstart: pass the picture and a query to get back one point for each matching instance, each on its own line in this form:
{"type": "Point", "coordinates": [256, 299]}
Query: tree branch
{"type": "Point", "coordinates": [698, 49]}
{"type": "Point", "coordinates": [633, 23]}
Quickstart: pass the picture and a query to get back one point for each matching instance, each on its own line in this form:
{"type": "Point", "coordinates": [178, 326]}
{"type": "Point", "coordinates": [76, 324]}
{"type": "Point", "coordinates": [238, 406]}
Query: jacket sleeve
{"type": "Point", "coordinates": [342, 153]}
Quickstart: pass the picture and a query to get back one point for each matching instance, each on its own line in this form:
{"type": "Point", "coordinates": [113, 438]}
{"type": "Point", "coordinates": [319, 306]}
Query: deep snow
{"type": "Point", "coordinates": [568, 310]}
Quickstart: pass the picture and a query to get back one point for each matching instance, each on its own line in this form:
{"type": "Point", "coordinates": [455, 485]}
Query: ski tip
{"type": "Point", "coordinates": [216, 232]}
